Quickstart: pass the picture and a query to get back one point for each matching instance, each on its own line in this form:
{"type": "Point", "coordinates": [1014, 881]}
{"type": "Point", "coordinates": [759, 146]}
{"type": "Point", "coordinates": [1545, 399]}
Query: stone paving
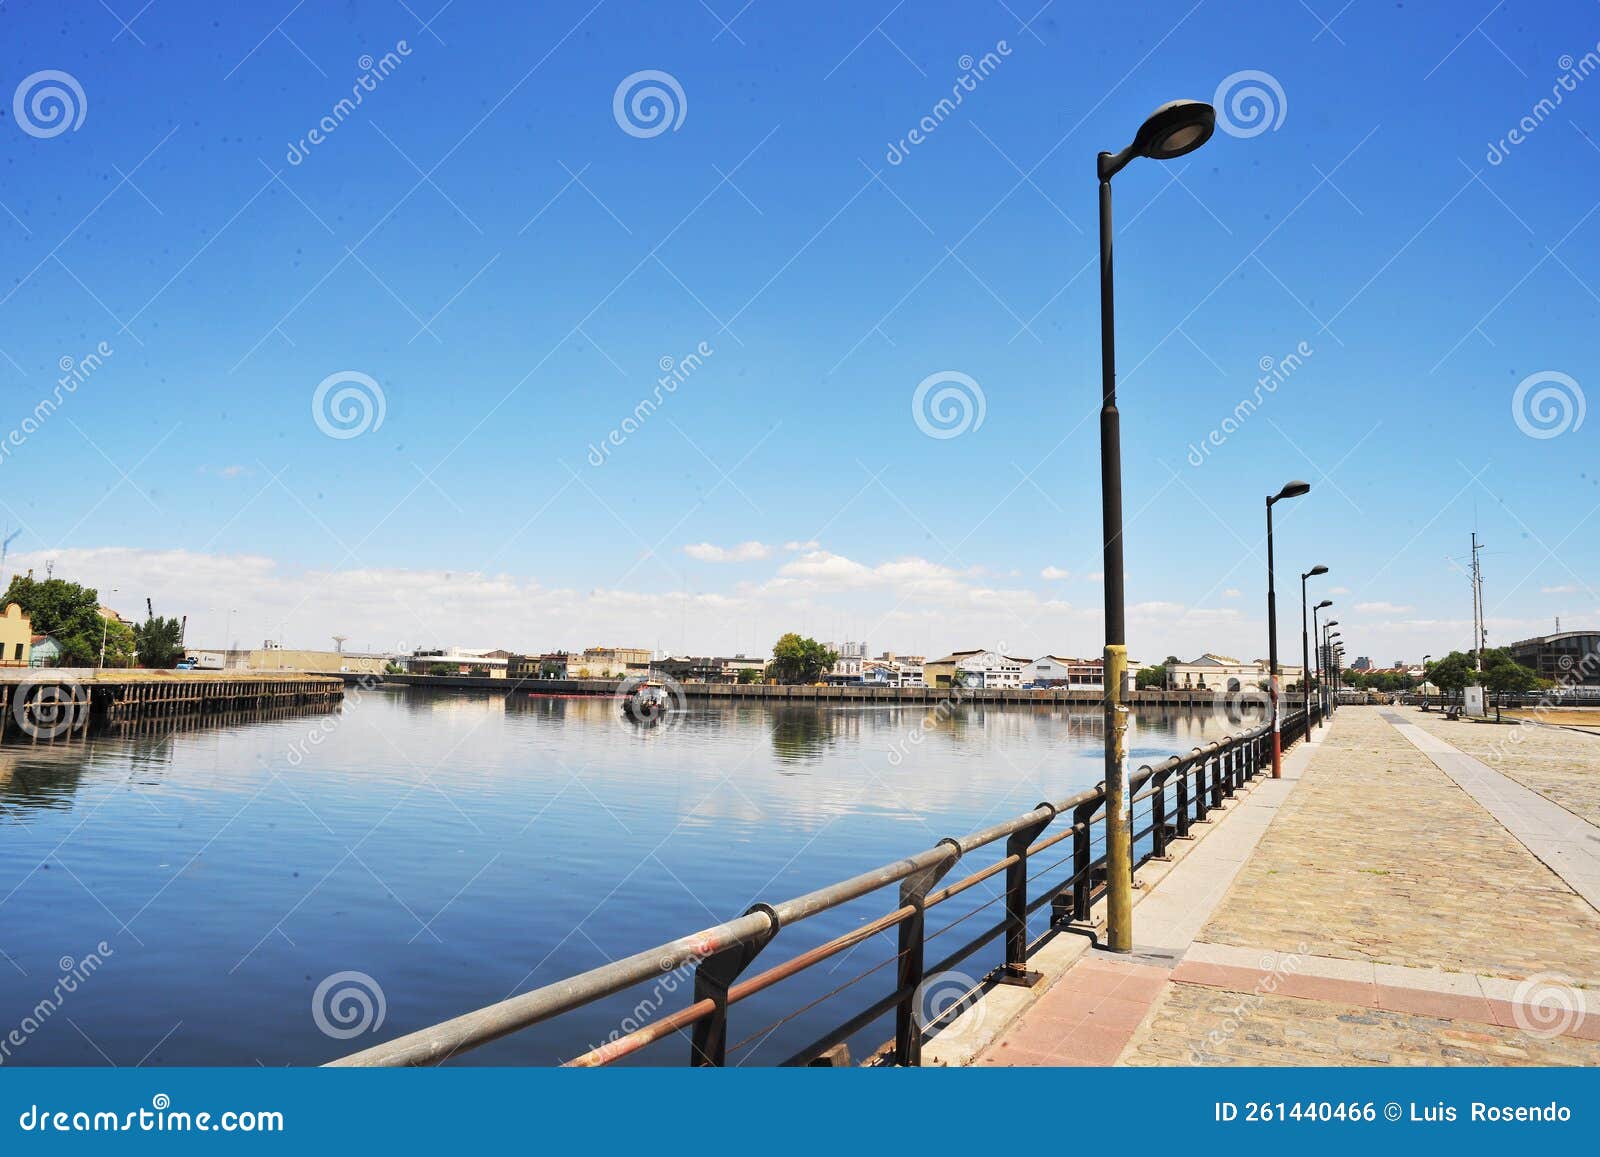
{"type": "Point", "coordinates": [1561, 765]}
{"type": "Point", "coordinates": [1195, 1025]}
{"type": "Point", "coordinates": [1378, 855]}
{"type": "Point", "coordinates": [1383, 917]}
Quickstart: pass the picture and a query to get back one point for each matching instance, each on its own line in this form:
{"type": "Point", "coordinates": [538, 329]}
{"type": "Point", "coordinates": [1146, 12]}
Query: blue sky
{"type": "Point", "coordinates": [491, 247]}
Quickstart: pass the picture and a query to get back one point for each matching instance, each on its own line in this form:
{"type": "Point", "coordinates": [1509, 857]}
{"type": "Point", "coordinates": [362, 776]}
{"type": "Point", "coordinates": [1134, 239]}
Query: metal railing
{"type": "Point", "coordinates": [1168, 799]}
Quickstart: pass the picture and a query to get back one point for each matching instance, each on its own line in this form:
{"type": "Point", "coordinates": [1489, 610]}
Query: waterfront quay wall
{"type": "Point", "coordinates": [1055, 696]}
{"type": "Point", "coordinates": [47, 704]}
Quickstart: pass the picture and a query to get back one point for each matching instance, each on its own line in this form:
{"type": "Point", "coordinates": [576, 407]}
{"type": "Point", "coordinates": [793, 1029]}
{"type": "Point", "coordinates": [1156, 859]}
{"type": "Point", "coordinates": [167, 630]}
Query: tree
{"type": "Point", "coordinates": [70, 614]}
{"type": "Point", "coordinates": [798, 660]}
{"type": "Point", "coordinates": [1451, 673]}
{"type": "Point", "coordinates": [1149, 677]}
{"type": "Point", "coordinates": [159, 642]}
{"type": "Point", "coordinates": [1505, 676]}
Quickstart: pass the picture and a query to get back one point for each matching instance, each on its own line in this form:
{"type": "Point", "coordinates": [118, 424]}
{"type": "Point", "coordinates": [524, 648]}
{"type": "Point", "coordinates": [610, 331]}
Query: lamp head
{"type": "Point", "coordinates": [1176, 128]}
{"type": "Point", "coordinates": [1290, 490]}
{"type": "Point", "coordinates": [1324, 603]}
{"type": "Point", "coordinates": [1316, 570]}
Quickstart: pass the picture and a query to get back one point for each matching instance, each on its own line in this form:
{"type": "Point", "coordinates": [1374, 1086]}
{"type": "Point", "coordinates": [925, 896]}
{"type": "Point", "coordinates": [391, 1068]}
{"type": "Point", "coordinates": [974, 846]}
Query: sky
{"type": "Point", "coordinates": [683, 325]}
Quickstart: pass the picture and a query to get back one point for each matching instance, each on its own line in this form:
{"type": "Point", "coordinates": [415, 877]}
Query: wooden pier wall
{"type": "Point", "coordinates": [51, 704]}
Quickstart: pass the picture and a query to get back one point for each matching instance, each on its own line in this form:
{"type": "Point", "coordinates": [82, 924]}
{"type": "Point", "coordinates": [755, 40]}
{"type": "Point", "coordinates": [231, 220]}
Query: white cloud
{"type": "Point", "coordinates": [1339, 591]}
{"type": "Point", "coordinates": [1054, 572]}
{"type": "Point", "coordinates": [1566, 589]}
{"type": "Point", "coordinates": [1232, 593]}
{"type": "Point", "coordinates": [744, 552]}
{"type": "Point", "coordinates": [809, 544]}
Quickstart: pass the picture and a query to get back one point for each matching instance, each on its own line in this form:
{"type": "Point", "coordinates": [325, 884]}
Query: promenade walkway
{"type": "Point", "coordinates": [1396, 898]}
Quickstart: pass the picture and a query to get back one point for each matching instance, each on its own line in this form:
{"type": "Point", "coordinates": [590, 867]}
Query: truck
{"type": "Point", "coordinates": [202, 661]}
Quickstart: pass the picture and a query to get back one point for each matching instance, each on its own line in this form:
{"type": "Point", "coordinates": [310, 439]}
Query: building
{"type": "Point", "coordinates": [848, 650]}
{"type": "Point", "coordinates": [46, 652]}
{"type": "Point", "coordinates": [1570, 658]}
{"type": "Point", "coordinates": [16, 637]}
{"type": "Point", "coordinates": [975, 669]}
{"type": "Point", "coordinates": [609, 663]}
{"type": "Point", "coordinates": [1212, 672]}
{"type": "Point", "coordinates": [276, 658]}
{"type": "Point", "coordinates": [1363, 663]}
{"type": "Point", "coordinates": [454, 661]}
{"type": "Point", "coordinates": [889, 670]}
{"type": "Point", "coordinates": [1060, 671]}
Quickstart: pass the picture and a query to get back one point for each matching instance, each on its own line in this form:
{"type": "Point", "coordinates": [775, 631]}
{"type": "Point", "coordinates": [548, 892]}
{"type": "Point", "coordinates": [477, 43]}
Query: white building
{"type": "Point", "coordinates": [1212, 672]}
{"type": "Point", "coordinates": [1061, 671]}
{"type": "Point", "coordinates": [974, 669]}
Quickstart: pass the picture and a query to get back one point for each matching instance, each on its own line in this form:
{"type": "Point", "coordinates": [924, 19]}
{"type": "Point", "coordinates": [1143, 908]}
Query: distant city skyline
{"type": "Point", "coordinates": [424, 332]}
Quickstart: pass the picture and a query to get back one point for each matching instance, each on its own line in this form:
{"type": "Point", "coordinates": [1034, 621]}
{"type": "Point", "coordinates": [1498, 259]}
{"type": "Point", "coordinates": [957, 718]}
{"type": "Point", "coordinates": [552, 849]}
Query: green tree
{"type": "Point", "coordinates": [798, 660]}
{"type": "Point", "coordinates": [1504, 676]}
{"type": "Point", "coordinates": [1151, 678]}
{"type": "Point", "coordinates": [158, 642]}
{"type": "Point", "coordinates": [1451, 673]}
{"type": "Point", "coordinates": [70, 614]}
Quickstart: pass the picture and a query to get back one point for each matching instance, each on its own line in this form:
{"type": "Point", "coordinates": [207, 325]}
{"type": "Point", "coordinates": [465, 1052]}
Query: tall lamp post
{"type": "Point", "coordinates": [1317, 631]}
{"type": "Point", "coordinates": [1305, 645]}
{"type": "Point", "coordinates": [1173, 130]}
{"type": "Point", "coordinates": [1334, 653]}
{"type": "Point", "coordinates": [1290, 490]}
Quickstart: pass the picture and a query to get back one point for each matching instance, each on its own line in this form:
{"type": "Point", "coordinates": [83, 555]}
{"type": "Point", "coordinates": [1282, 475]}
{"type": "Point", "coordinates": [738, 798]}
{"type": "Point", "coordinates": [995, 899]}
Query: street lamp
{"type": "Point", "coordinates": [1425, 659]}
{"type": "Point", "coordinates": [1316, 630]}
{"type": "Point", "coordinates": [1335, 651]}
{"type": "Point", "coordinates": [1305, 646]}
{"type": "Point", "coordinates": [1290, 490]}
{"type": "Point", "coordinates": [1176, 128]}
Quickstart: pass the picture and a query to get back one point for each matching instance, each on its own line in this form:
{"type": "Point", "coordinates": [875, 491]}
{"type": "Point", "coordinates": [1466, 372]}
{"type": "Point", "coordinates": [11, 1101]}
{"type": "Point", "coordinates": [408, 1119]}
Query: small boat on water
{"type": "Point", "coordinates": [647, 703]}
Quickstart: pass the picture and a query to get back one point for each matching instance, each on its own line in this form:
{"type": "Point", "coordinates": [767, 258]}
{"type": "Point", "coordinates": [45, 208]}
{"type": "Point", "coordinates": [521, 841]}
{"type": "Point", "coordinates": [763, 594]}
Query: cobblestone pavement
{"type": "Point", "coordinates": [1192, 1025]}
{"type": "Point", "coordinates": [1378, 856]}
{"type": "Point", "coordinates": [1561, 765]}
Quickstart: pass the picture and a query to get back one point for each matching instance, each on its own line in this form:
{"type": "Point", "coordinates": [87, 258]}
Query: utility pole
{"type": "Point", "coordinates": [1478, 630]}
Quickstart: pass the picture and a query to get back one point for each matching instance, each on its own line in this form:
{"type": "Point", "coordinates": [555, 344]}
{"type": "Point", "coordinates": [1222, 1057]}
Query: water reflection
{"type": "Point", "coordinates": [460, 846]}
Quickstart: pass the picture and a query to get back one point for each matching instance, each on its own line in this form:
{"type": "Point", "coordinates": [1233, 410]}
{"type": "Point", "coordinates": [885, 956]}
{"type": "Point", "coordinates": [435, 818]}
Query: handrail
{"type": "Point", "coordinates": [720, 953]}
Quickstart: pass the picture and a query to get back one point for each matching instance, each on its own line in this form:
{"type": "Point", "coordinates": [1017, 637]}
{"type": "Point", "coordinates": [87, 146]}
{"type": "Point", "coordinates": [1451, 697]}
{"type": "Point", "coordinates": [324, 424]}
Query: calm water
{"type": "Point", "coordinates": [459, 848]}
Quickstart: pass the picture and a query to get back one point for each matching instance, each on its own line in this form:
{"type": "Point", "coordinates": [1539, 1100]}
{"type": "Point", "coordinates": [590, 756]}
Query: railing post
{"type": "Point", "coordinates": [1199, 766]}
{"type": "Point", "coordinates": [907, 1021]}
{"type": "Point", "coordinates": [1016, 968]}
{"type": "Point", "coordinates": [1215, 766]}
{"type": "Point", "coordinates": [1183, 803]}
{"type": "Point", "coordinates": [1082, 857]}
{"type": "Point", "coordinates": [708, 1045]}
{"type": "Point", "coordinates": [1158, 814]}
{"type": "Point", "coordinates": [1230, 765]}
